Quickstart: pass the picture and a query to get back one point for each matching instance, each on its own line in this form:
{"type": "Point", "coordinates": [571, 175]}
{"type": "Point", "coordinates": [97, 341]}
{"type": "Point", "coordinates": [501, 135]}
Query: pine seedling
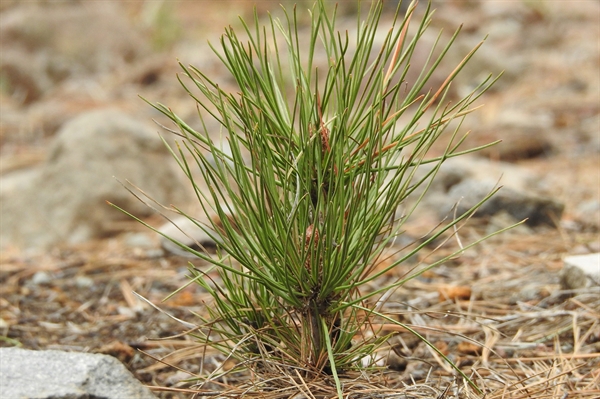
{"type": "Point", "coordinates": [320, 156]}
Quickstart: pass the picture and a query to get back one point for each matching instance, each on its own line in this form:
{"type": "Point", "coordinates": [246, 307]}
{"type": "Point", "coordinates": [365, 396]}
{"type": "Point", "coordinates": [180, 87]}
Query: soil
{"type": "Point", "coordinates": [499, 311]}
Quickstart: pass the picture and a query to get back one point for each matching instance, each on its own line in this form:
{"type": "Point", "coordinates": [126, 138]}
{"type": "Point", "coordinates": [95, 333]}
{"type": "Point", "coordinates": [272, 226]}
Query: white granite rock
{"type": "Point", "coordinates": [56, 374]}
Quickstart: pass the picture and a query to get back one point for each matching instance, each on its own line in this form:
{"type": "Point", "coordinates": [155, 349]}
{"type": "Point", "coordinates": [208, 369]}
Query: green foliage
{"type": "Point", "coordinates": [307, 192]}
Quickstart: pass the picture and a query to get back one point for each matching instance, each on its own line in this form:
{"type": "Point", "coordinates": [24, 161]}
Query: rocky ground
{"type": "Point", "coordinates": [71, 119]}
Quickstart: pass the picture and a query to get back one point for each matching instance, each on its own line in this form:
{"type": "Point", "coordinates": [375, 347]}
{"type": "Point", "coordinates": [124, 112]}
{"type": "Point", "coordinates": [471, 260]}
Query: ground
{"type": "Point", "coordinates": [499, 311]}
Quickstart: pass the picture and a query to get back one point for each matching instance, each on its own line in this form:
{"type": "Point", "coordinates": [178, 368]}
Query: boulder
{"type": "Point", "coordinates": [24, 75]}
{"type": "Point", "coordinates": [66, 201]}
{"type": "Point", "coordinates": [466, 180]}
{"type": "Point", "coordinates": [518, 144]}
{"type": "Point", "coordinates": [56, 374]}
{"type": "Point", "coordinates": [75, 37]}
{"type": "Point", "coordinates": [537, 209]}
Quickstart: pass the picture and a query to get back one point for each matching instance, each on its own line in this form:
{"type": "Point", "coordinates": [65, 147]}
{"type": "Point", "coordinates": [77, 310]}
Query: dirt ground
{"type": "Point", "coordinates": [499, 311]}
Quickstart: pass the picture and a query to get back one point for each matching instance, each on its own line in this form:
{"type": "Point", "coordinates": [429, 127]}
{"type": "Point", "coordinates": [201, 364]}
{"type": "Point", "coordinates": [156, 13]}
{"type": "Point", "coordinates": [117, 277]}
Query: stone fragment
{"type": "Point", "coordinates": [588, 214]}
{"type": "Point", "coordinates": [580, 271]}
{"type": "Point", "coordinates": [55, 374]}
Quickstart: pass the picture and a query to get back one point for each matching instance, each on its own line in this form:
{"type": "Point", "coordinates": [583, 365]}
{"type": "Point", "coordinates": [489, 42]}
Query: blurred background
{"type": "Point", "coordinates": [63, 59]}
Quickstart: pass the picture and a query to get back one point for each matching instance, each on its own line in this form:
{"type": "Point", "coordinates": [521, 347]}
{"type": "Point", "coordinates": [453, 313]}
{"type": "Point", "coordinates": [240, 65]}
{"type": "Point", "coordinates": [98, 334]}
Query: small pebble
{"type": "Point", "coordinates": [83, 282]}
{"type": "Point", "coordinates": [126, 311]}
{"type": "Point", "coordinates": [581, 271]}
{"type": "Point", "coordinates": [41, 278]}
{"type": "Point", "coordinates": [176, 378]}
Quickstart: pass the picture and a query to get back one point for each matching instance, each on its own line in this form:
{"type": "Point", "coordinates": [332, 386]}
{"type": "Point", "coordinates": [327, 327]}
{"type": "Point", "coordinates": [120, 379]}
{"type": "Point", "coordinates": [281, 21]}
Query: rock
{"type": "Point", "coordinates": [176, 378]}
{"type": "Point", "coordinates": [580, 271]}
{"type": "Point", "coordinates": [588, 213]}
{"type": "Point", "coordinates": [588, 133]}
{"type": "Point", "coordinates": [41, 278]}
{"type": "Point", "coordinates": [487, 60]}
{"type": "Point", "coordinates": [16, 181]}
{"type": "Point", "coordinates": [83, 282]}
{"type": "Point", "coordinates": [510, 118]}
{"type": "Point", "coordinates": [519, 144]}
{"type": "Point", "coordinates": [67, 200]}
{"type": "Point", "coordinates": [538, 210]}
{"type": "Point", "coordinates": [75, 37]}
{"type": "Point", "coordinates": [502, 220]}
{"type": "Point", "coordinates": [55, 374]}
{"type": "Point", "coordinates": [458, 169]}
{"type": "Point", "coordinates": [23, 75]}
{"type": "Point", "coordinates": [467, 180]}
{"type": "Point", "coordinates": [186, 232]}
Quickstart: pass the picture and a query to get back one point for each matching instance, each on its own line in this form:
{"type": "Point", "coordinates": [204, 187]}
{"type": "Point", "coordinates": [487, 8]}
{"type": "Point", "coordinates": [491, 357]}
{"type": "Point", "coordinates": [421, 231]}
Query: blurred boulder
{"type": "Point", "coordinates": [520, 205]}
{"type": "Point", "coordinates": [466, 180]}
{"type": "Point", "coordinates": [23, 76]}
{"type": "Point", "coordinates": [57, 40]}
{"type": "Point", "coordinates": [518, 144]}
{"type": "Point", "coordinates": [66, 201]}
{"type": "Point", "coordinates": [587, 214]}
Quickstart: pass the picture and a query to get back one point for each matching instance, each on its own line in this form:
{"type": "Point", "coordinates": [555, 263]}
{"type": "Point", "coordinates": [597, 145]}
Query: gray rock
{"type": "Point", "coordinates": [503, 219]}
{"type": "Point", "coordinates": [519, 143]}
{"type": "Point", "coordinates": [55, 374]}
{"type": "Point", "coordinates": [580, 271]}
{"type": "Point", "coordinates": [588, 213]}
{"type": "Point", "coordinates": [18, 180]}
{"type": "Point", "coordinates": [467, 180]}
{"type": "Point", "coordinates": [520, 205]}
{"type": "Point", "coordinates": [24, 76]}
{"type": "Point", "coordinates": [90, 37]}
{"type": "Point", "coordinates": [458, 169]}
{"type": "Point", "coordinates": [521, 118]}
{"type": "Point", "coordinates": [67, 200]}
{"type": "Point", "coordinates": [41, 278]}
{"type": "Point", "coordinates": [83, 282]}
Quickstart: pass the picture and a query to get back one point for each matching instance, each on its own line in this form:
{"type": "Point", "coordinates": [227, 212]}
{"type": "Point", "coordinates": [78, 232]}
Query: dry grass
{"type": "Point", "coordinates": [518, 334]}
